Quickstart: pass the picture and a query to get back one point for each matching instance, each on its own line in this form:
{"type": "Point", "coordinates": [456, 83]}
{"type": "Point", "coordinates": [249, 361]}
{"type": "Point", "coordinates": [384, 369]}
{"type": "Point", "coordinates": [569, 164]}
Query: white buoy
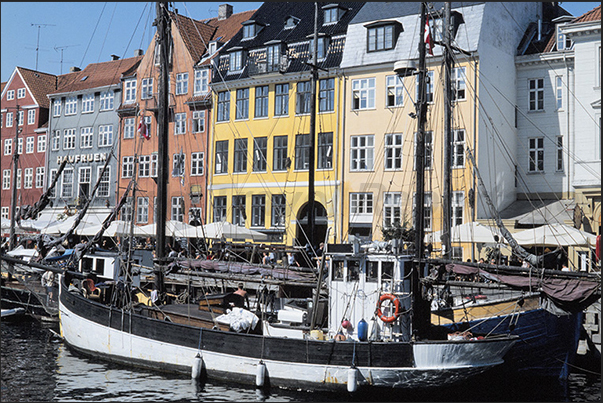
{"type": "Point", "coordinates": [197, 367]}
{"type": "Point", "coordinates": [352, 379]}
{"type": "Point", "coordinates": [260, 374]}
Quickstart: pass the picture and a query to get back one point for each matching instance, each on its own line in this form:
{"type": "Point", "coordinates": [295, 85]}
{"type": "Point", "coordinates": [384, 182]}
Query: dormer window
{"type": "Point", "coordinates": [273, 57]}
{"type": "Point", "coordinates": [382, 35]}
{"type": "Point", "coordinates": [563, 42]}
{"type": "Point", "coordinates": [323, 46]}
{"type": "Point", "coordinates": [235, 61]}
{"type": "Point", "coordinates": [332, 14]}
{"type": "Point", "coordinates": [213, 46]}
{"type": "Point", "coordinates": [291, 22]}
{"type": "Point", "coordinates": [251, 29]}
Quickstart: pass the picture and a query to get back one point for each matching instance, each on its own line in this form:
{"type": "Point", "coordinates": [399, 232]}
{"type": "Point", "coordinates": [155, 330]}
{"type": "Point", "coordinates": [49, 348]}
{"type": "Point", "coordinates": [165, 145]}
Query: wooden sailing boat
{"type": "Point", "coordinates": [406, 352]}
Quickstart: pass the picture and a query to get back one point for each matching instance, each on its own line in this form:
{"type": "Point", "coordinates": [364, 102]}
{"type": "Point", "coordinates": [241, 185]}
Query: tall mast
{"type": "Point", "coordinates": [447, 185]}
{"type": "Point", "coordinates": [162, 135]}
{"type": "Point", "coordinates": [12, 240]}
{"type": "Point", "coordinates": [420, 313]}
{"type": "Point", "coordinates": [311, 158]}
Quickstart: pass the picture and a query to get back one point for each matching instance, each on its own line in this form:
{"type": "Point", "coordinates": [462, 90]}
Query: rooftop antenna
{"type": "Point", "coordinates": [38, 42]}
{"type": "Point", "coordinates": [60, 49]}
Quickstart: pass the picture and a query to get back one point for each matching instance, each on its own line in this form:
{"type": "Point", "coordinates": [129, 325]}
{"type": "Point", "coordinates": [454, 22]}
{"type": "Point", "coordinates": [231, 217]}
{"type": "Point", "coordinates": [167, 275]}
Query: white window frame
{"type": "Point", "coordinates": [559, 93]}
{"type": "Point", "coordinates": [142, 210]}
{"type": "Point", "coordinates": [535, 94]}
{"type": "Point", "coordinates": [28, 178]}
{"type": "Point", "coordinates": [20, 146]}
{"type": "Point", "coordinates": [6, 174]}
{"type": "Point", "coordinates": [154, 164]}
{"type": "Point", "coordinates": [129, 91]}
{"type": "Point", "coordinates": [40, 176]}
{"type": "Point", "coordinates": [29, 144]}
{"type": "Point", "coordinates": [361, 207]}
{"type": "Point", "coordinates": [86, 137]}
{"type": "Point", "coordinates": [177, 209]}
{"type": "Point", "coordinates": [129, 128]}
{"type": "Point", "coordinates": [127, 166]}
{"type": "Point", "coordinates": [458, 148]}
{"type": "Point", "coordinates": [70, 106]}
{"type": "Point", "coordinates": [146, 88]}
{"type": "Point", "coordinates": [4, 212]}
{"type": "Point", "coordinates": [394, 143]}
{"type": "Point", "coordinates": [458, 84]}
{"type": "Point", "coordinates": [182, 83]}
{"type": "Point", "coordinates": [84, 177]}
{"type": "Point", "coordinates": [10, 95]}
{"type": "Point", "coordinates": [20, 93]}
{"type": "Point", "coordinates": [144, 166]}
{"type": "Point", "coordinates": [42, 143]}
{"type": "Point", "coordinates": [103, 189]}
{"type": "Point", "coordinates": [428, 87]}
{"type": "Point", "coordinates": [394, 91]}
{"type": "Point", "coordinates": [31, 116]}
{"type": "Point", "coordinates": [107, 100]}
{"type": "Point", "coordinates": [457, 208]}
{"type": "Point", "coordinates": [9, 119]}
{"type": "Point", "coordinates": [87, 103]}
{"type": "Point", "coordinates": [363, 94]}
{"type": "Point", "coordinates": [8, 146]}
{"type": "Point", "coordinates": [362, 152]}
{"type": "Point", "coordinates": [69, 139]}
{"type": "Point", "coordinates": [201, 82]}
{"type": "Point", "coordinates": [53, 174]}
{"type": "Point", "coordinates": [198, 122]}
{"type": "Point", "coordinates": [180, 124]}
{"type": "Point", "coordinates": [67, 183]}
{"type": "Point", "coordinates": [197, 163]}
{"type": "Point", "coordinates": [55, 140]}
{"type": "Point", "coordinates": [21, 118]}
{"type": "Point", "coordinates": [235, 61]}
{"type": "Point", "coordinates": [56, 108]}
{"type": "Point", "coordinates": [105, 135]}
{"type": "Point", "coordinates": [392, 209]}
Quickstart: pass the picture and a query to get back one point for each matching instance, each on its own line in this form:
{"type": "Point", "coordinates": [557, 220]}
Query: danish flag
{"type": "Point", "coordinates": [142, 129]}
{"type": "Point", "coordinates": [427, 36]}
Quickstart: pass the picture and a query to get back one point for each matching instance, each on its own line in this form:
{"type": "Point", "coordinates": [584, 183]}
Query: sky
{"type": "Point", "coordinates": [70, 34]}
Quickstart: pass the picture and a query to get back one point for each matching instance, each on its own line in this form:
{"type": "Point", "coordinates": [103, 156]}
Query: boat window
{"type": "Point", "coordinates": [387, 271]}
{"type": "Point", "coordinates": [372, 271]}
{"type": "Point", "coordinates": [86, 264]}
{"type": "Point", "coordinates": [337, 273]}
{"type": "Point", "coordinates": [353, 270]}
{"type": "Point", "coordinates": [100, 266]}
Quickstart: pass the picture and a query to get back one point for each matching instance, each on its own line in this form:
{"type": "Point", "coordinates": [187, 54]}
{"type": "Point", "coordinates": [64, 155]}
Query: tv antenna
{"type": "Point", "coordinates": [60, 49]}
{"type": "Point", "coordinates": [38, 42]}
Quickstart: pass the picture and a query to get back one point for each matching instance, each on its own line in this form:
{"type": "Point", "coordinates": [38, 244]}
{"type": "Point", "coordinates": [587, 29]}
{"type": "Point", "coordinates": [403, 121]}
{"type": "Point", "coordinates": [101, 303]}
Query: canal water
{"type": "Point", "coordinates": [38, 366]}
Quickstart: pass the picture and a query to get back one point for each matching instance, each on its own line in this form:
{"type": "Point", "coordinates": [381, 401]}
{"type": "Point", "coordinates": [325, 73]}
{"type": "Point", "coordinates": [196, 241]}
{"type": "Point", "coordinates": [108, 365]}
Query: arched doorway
{"type": "Point", "coordinates": [303, 228]}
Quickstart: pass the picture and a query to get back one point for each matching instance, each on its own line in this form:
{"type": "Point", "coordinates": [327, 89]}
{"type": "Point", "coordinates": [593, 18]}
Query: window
{"type": "Point", "coordinates": [86, 137]}
{"type": "Point", "coordinates": [129, 91]}
{"type": "Point", "coordinates": [126, 210]}
{"type": "Point", "coordinates": [8, 146]}
{"type": "Point", "coordinates": [458, 200]}
{"type": "Point", "coordinates": [147, 122]}
{"type": "Point", "coordinates": [56, 107]}
{"type": "Point", "coordinates": [67, 183]}
{"type": "Point", "coordinates": [4, 212]}
{"type": "Point", "coordinates": [260, 149]}
{"type": "Point", "coordinates": [281, 100]}
{"type": "Point", "coordinates": [235, 61]}
{"type": "Point", "coordinates": [291, 22]}
{"type": "Point", "coordinates": [129, 128]}
{"type": "Point", "coordinates": [249, 30]}
{"type": "Point", "coordinates": [394, 91]}
{"type": "Point", "coordinates": [28, 178]}
{"type": "Point", "coordinates": [6, 179]}
{"type": "Point", "coordinates": [240, 155]}
{"type": "Point", "coordinates": [536, 154]}
{"type": "Point", "coordinates": [88, 103]}
{"type": "Point", "coordinates": [20, 146]}
{"type": "Point", "coordinates": [457, 82]}
{"type": "Point", "coordinates": [326, 95]}
{"type": "Point", "coordinates": [428, 87]}
{"type": "Point", "coordinates": [280, 160]}
{"type": "Point", "coordinates": [201, 81]}
{"type": "Point", "coordinates": [242, 110]}
{"type": "Point", "coordinates": [56, 140]}
{"type": "Point", "coordinates": [258, 210]}
{"type": "Point", "coordinates": [18, 184]}
{"type": "Point", "coordinates": [427, 207]}
{"type": "Point", "coordinates": [559, 92]}
{"type": "Point", "coordinates": [194, 216]}
{"type": "Point", "coordinates": [146, 88]}
{"type": "Point", "coordinates": [363, 93]}
{"type": "Point", "coordinates": [20, 118]}
{"type": "Point", "coordinates": [392, 209]}
{"type": "Point", "coordinates": [393, 151]}
{"type": "Point", "coordinates": [198, 121]}
{"type": "Point", "coordinates": [106, 100]}
{"type": "Point", "coordinates": [181, 83]}
{"type": "Point", "coordinates": [42, 143]}
{"type": "Point", "coordinates": [29, 144]}
{"type": "Point", "coordinates": [428, 150]}
{"type": "Point", "coordinates": [154, 164]}
{"type": "Point", "coordinates": [105, 135]}
{"type": "Point", "coordinates": [9, 119]}
{"type": "Point", "coordinates": [331, 15]}
{"type": "Point", "coordinates": [142, 210]}
{"type": "Point", "coordinates": [84, 179]}
{"type": "Point", "coordinates": [223, 106]}
{"type": "Point", "coordinates": [380, 38]}
{"type": "Point", "coordinates": [361, 207]}
{"type": "Point", "coordinates": [261, 101]}
{"type": "Point", "coordinates": [105, 181]}
{"type": "Point", "coordinates": [127, 167]}
{"type": "Point", "coordinates": [362, 152]}
{"type": "Point", "coordinates": [31, 116]}
{"type": "Point", "coordinates": [325, 150]}
{"type": "Point", "coordinates": [20, 93]}
{"type": "Point", "coordinates": [559, 154]}
{"type": "Point", "coordinates": [178, 165]}
{"type": "Point", "coordinates": [458, 149]}
{"type": "Point", "coordinates": [302, 151]}
{"type": "Point", "coordinates": [536, 94]}
{"type": "Point", "coordinates": [279, 210]}
{"type": "Point", "coordinates": [180, 125]}
{"type": "Point", "coordinates": [219, 208]}
{"type": "Point", "coordinates": [303, 97]}
{"type": "Point", "coordinates": [144, 166]}
{"type": "Point", "coordinates": [197, 164]}
{"type": "Point", "coordinates": [53, 175]}
{"type": "Point", "coordinates": [10, 95]}
{"type": "Point", "coordinates": [70, 106]}
{"type": "Point", "coordinates": [321, 50]}
{"type": "Point", "coordinates": [273, 58]}
{"type": "Point", "coordinates": [563, 42]}
{"type": "Point", "coordinates": [69, 139]}
{"type": "Point", "coordinates": [221, 157]}
{"type": "Point", "coordinates": [40, 176]}
{"type": "Point", "coordinates": [178, 209]}
{"type": "Point", "coordinates": [238, 210]}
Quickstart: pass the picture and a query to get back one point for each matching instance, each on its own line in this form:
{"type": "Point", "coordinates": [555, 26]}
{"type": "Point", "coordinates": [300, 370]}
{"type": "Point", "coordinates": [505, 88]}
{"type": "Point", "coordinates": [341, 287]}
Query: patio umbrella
{"type": "Point", "coordinates": [171, 227]}
{"type": "Point", "coordinates": [555, 235]}
{"type": "Point", "coordinates": [474, 232]}
{"type": "Point", "coordinates": [223, 229]}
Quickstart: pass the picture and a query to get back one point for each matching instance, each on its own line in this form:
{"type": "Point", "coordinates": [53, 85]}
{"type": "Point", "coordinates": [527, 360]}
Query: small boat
{"type": "Point", "coordinates": [12, 313]}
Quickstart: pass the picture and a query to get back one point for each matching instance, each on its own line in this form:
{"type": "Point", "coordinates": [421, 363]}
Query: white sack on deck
{"type": "Point", "coordinates": [239, 319]}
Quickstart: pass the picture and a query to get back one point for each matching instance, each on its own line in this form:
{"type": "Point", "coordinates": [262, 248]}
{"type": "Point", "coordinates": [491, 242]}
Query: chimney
{"type": "Point", "coordinates": [73, 69]}
{"type": "Point", "coordinates": [138, 52]}
{"type": "Point", "coordinates": [224, 11]}
{"type": "Point", "coordinates": [114, 57]}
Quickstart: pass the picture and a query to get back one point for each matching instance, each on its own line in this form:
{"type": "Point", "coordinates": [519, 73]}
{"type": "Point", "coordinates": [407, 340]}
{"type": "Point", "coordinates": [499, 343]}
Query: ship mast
{"type": "Point", "coordinates": [311, 157]}
{"type": "Point", "coordinates": [12, 240]}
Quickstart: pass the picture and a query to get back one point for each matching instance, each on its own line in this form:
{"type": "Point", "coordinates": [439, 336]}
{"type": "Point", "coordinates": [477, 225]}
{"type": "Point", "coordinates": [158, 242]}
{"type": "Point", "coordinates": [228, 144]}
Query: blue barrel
{"type": "Point", "coordinates": [362, 330]}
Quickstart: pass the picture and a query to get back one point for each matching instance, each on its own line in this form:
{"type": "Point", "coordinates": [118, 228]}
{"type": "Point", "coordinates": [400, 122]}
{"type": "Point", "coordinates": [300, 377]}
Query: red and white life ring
{"type": "Point", "coordinates": [395, 301]}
